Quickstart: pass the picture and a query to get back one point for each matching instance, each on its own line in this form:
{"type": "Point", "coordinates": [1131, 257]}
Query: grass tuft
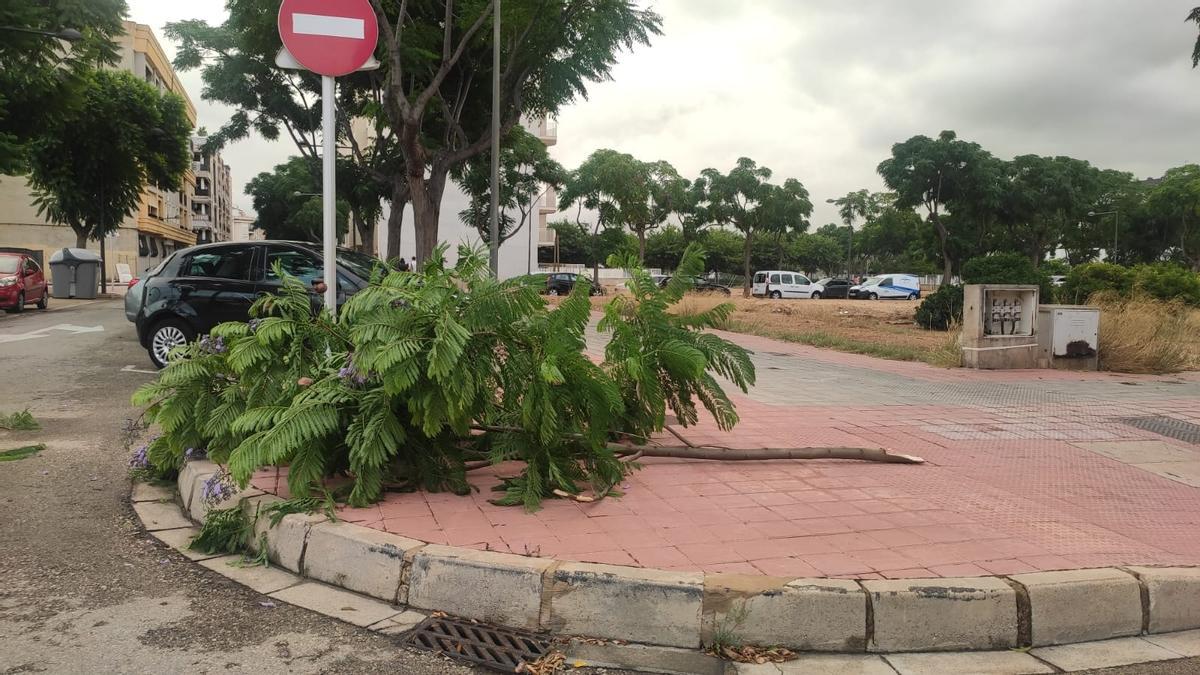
{"type": "Point", "coordinates": [21, 453]}
{"type": "Point", "coordinates": [1145, 335]}
{"type": "Point", "coordinates": [19, 421]}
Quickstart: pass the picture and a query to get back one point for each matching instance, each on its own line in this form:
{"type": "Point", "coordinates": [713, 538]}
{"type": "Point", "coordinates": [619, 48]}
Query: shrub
{"type": "Point", "coordinates": [941, 309]}
{"type": "Point", "coordinates": [426, 371]}
{"type": "Point", "coordinates": [1085, 280]}
{"type": "Point", "coordinates": [1145, 335]}
{"type": "Point", "coordinates": [1007, 268]}
{"type": "Point", "coordinates": [1166, 281]}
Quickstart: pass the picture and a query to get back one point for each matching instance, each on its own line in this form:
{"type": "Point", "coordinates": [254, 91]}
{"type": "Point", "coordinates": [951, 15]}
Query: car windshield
{"type": "Point", "coordinates": [358, 263]}
{"type": "Point", "coordinates": [8, 264]}
{"type": "Point", "coordinates": [872, 281]}
{"type": "Point", "coordinates": [824, 281]}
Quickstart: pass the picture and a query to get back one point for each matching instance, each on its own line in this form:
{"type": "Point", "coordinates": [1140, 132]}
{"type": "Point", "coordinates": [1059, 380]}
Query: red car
{"type": "Point", "coordinates": [21, 282]}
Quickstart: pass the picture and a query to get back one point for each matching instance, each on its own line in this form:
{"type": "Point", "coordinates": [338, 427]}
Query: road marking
{"type": "Point", "coordinates": [328, 26]}
{"type": "Point", "coordinates": [135, 369]}
{"type": "Point", "coordinates": [41, 332]}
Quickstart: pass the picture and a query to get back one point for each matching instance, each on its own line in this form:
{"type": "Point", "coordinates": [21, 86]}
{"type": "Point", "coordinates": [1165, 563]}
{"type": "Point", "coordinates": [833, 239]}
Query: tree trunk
{"type": "Point", "coordinates": [641, 235]}
{"type": "Point", "coordinates": [81, 238]}
{"type": "Point", "coordinates": [746, 264]}
{"type": "Point", "coordinates": [396, 218]}
{"type": "Point", "coordinates": [943, 238]}
{"type": "Point", "coordinates": [426, 196]}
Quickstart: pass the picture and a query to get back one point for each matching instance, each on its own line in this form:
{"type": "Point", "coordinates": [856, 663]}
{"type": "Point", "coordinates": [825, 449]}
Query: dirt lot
{"type": "Point", "coordinates": [882, 328]}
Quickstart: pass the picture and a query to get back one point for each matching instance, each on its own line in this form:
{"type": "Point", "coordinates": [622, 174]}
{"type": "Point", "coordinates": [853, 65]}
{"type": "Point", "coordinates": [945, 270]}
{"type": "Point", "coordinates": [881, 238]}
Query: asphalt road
{"type": "Point", "coordinates": [83, 589]}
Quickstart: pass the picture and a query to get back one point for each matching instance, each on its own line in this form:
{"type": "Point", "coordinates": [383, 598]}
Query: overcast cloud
{"type": "Point", "coordinates": [819, 90]}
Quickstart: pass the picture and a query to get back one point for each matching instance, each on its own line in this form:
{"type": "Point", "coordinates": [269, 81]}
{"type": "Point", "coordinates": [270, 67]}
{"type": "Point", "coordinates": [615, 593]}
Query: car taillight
{"type": "Point", "coordinates": [132, 282]}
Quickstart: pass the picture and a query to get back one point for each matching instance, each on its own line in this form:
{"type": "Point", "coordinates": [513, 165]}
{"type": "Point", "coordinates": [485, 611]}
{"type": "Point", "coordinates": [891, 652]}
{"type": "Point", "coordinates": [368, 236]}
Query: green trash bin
{"type": "Point", "coordinates": [75, 273]}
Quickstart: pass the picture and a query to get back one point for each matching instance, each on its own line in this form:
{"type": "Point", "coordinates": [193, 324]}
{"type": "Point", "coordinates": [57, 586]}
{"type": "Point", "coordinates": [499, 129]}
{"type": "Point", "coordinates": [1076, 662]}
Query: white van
{"type": "Point", "coordinates": [781, 284]}
{"type": "Point", "coordinates": [888, 287]}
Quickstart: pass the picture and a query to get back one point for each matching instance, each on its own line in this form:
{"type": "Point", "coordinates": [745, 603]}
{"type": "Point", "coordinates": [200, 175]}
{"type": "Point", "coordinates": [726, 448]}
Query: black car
{"type": "Point", "coordinates": [835, 288]}
{"type": "Point", "coordinates": [202, 286]}
{"type": "Point", "coordinates": [561, 283]}
{"type": "Point", "coordinates": [700, 284]}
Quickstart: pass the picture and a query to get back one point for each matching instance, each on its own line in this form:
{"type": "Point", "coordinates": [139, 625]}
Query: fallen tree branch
{"type": "Point", "coordinates": [759, 454]}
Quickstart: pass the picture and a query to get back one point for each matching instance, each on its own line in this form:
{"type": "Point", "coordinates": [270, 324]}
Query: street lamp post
{"type": "Point", "coordinates": [494, 225]}
{"type": "Point", "coordinates": [68, 34]}
{"type": "Point", "coordinates": [1116, 226]}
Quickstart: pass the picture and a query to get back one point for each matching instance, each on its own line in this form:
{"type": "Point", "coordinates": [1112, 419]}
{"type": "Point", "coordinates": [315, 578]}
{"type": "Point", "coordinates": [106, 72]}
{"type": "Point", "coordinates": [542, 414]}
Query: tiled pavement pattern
{"type": "Point", "coordinates": [1026, 471]}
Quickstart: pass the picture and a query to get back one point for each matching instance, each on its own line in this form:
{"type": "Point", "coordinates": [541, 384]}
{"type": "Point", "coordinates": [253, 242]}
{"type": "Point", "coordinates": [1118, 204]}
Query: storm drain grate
{"type": "Point", "coordinates": [1167, 426]}
{"type": "Point", "coordinates": [497, 648]}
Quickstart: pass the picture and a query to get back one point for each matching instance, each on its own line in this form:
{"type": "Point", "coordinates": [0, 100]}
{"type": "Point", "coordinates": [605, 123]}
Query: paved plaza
{"type": "Point", "coordinates": [1026, 471]}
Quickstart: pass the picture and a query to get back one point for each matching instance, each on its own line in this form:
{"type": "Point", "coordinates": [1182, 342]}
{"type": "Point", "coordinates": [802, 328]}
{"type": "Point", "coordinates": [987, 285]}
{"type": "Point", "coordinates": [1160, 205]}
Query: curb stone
{"type": "Point", "coordinates": [804, 614]}
{"type": "Point", "coordinates": [358, 558]}
{"type": "Point", "coordinates": [673, 609]}
{"type": "Point", "coordinates": [1082, 605]}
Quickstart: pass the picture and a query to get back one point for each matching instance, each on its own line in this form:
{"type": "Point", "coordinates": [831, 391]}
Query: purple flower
{"type": "Point", "coordinates": [139, 459]}
{"type": "Point", "coordinates": [194, 453]}
{"type": "Point", "coordinates": [218, 488]}
{"type": "Point", "coordinates": [254, 324]}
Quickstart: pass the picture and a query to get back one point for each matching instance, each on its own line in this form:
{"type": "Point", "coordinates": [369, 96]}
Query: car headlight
{"type": "Point", "coordinates": [8, 281]}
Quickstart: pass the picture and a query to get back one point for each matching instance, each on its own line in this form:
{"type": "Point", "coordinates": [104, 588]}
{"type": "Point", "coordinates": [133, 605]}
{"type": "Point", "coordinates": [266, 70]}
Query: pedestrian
{"type": "Point", "coordinates": [402, 264]}
{"type": "Point", "coordinates": [413, 265]}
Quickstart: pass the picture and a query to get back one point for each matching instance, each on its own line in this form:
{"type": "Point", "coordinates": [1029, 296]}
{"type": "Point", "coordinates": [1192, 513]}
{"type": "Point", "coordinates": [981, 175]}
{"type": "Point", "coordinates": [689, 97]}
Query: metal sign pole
{"type": "Point", "coordinates": [328, 190]}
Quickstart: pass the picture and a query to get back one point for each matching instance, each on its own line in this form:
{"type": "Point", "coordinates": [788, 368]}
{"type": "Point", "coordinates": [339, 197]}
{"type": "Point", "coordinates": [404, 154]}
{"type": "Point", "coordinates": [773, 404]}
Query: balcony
{"type": "Point", "coordinates": [548, 203]}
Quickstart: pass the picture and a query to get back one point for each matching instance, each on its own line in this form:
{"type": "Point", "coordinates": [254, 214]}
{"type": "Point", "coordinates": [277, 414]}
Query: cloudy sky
{"type": "Point", "coordinates": [819, 90]}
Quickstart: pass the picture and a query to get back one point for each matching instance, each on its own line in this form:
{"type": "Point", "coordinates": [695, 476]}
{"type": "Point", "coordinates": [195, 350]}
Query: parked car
{"type": "Point", "coordinates": [561, 283]}
{"type": "Point", "coordinates": [1058, 279]}
{"type": "Point", "coordinates": [780, 284]}
{"type": "Point", "coordinates": [22, 282]}
{"type": "Point", "coordinates": [888, 287]}
{"type": "Point", "coordinates": [199, 287]}
{"type": "Point", "coordinates": [700, 284]}
{"type": "Point", "coordinates": [834, 288]}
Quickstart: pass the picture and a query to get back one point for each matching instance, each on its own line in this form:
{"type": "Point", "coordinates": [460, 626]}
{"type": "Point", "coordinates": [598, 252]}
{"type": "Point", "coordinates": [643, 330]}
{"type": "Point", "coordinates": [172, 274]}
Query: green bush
{"type": "Point", "coordinates": [1167, 282]}
{"type": "Point", "coordinates": [424, 372]}
{"type": "Point", "coordinates": [1007, 268]}
{"type": "Point", "coordinates": [1085, 280]}
{"type": "Point", "coordinates": [941, 309]}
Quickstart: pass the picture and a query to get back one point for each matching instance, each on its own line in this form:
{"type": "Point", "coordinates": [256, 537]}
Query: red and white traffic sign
{"type": "Point", "coordinates": [329, 37]}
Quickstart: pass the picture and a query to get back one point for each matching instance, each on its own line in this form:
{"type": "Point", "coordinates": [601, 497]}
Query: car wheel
{"type": "Point", "coordinates": [873, 296]}
{"type": "Point", "coordinates": [166, 336]}
{"type": "Point", "coordinates": [816, 295]}
{"type": "Point", "coordinates": [553, 292]}
{"type": "Point", "coordinates": [45, 301]}
{"type": "Point", "coordinates": [20, 306]}
{"type": "Point", "coordinates": [912, 296]}
{"type": "Point", "coordinates": [775, 295]}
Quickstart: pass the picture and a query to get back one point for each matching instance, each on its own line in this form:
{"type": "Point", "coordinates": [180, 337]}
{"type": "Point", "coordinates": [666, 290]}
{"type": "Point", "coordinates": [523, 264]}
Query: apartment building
{"type": "Point", "coordinates": [162, 222]}
{"type": "Point", "coordinates": [242, 228]}
{"type": "Point", "coordinates": [212, 203]}
{"type": "Point", "coordinates": [518, 255]}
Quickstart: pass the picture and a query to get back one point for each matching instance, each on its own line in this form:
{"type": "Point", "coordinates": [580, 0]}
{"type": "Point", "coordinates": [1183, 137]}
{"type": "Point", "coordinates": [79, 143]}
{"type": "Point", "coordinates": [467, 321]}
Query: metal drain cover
{"type": "Point", "coordinates": [1167, 426]}
{"type": "Point", "coordinates": [498, 648]}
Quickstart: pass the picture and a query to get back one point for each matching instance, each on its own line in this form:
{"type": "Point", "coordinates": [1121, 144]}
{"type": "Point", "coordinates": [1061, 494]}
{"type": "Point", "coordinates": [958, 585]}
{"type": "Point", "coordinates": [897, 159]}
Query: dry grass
{"type": "Point", "coordinates": [1144, 335]}
{"type": "Point", "coordinates": [883, 329]}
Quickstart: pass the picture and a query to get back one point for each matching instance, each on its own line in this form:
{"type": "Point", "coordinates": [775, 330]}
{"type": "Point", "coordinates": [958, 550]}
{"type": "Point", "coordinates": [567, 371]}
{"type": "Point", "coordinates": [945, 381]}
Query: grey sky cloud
{"type": "Point", "coordinates": [820, 89]}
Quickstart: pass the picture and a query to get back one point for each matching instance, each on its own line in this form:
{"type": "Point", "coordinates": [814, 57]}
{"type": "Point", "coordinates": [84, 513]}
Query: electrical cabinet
{"type": "Point", "coordinates": [1069, 337]}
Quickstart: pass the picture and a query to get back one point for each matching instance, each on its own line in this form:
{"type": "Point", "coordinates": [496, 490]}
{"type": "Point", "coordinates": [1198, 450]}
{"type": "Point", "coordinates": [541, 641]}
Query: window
{"type": "Point", "coordinates": [774, 278]}
{"type": "Point", "coordinates": [223, 263]}
{"type": "Point", "coordinates": [886, 281]}
{"type": "Point", "coordinates": [31, 266]}
{"type": "Point", "coordinates": [296, 263]}
{"type": "Point", "coordinates": [760, 278]}
{"type": "Point", "coordinates": [802, 280]}
{"type": "Point", "coordinates": [785, 278]}
{"type": "Point", "coordinates": [8, 264]}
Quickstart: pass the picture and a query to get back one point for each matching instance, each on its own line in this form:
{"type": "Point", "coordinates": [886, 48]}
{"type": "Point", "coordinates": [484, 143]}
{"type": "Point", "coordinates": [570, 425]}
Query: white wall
{"type": "Point", "coordinates": [518, 255]}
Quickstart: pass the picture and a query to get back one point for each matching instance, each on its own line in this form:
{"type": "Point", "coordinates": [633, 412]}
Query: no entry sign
{"type": "Point", "coordinates": [329, 37]}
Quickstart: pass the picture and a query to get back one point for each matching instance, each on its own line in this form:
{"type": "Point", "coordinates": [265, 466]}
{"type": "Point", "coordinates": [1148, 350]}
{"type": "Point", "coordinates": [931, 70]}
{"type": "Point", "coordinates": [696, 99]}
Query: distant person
{"type": "Point", "coordinates": [402, 265]}
{"type": "Point", "coordinates": [413, 265]}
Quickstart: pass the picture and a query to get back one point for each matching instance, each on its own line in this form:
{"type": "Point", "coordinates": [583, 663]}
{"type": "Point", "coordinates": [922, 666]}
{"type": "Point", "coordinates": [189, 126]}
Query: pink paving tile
{"type": "Point", "coordinates": [660, 557]}
{"type": "Point", "coordinates": [1049, 563]}
{"type": "Point", "coordinates": [586, 543]}
{"type": "Point", "coordinates": [962, 570]}
{"type": "Point", "coordinates": [912, 573]}
{"type": "Point", "coordinates": [882, 559]}
{"type": "Point", "coordinates": [403, 525]}
{"type": "Point", "coordinates": [1007, 567]}
{"type": "Point", "coordinates": [614, 557]}
{"type": "Point", "coordinates": [731, 568]}
{"type": "Point", "coordinates": [773, 498]}
{"type": "Point", "coordinates": [754, 514]}
{"type": "Point", "coordinates": [837, 509]}
{"type": "Point", "coordinates": [787, 567]}
{"type": "Point", "coordinates": [685, 535]}
{"type": "Point", "coordinates": [707, 554]}
{"type": "Point", "coordinates": [896, 537]}
{"type": "Point", "coordinates": [760, 550]}
{"type": "Point", "coordinates": [850, 541]}
{"type": "Point", "coordinates": [836, 563]}
{"type": "Point", "coordinates": [865, 523]}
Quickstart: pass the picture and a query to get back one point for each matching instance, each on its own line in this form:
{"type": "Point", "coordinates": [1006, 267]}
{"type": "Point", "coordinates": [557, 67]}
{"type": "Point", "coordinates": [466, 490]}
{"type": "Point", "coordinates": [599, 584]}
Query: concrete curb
{"type": "Point", "coordinates": [680, 610]}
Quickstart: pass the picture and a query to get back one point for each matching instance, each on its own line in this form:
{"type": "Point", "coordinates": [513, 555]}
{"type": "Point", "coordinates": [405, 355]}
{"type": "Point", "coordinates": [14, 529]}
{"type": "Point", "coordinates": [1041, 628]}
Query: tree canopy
{"type": "Point", "coordinates": [288, 205]}
{"type": "Point", "coordinates": [90, 171]}
{"type": "Point", "coordinates": [42, 79]}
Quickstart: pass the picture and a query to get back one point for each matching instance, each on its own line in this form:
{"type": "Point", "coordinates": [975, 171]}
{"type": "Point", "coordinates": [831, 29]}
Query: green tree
{"type": "Point", "coordinates": [89, 171]}
{"type": "Point", "coordinates": [1194, 16]}
{"type": "Point", "coordinates": [942, 174]}
{"type": "Point", "coordinates": [1041, 197]}
{"type": "Point", "coordinates": [1175, 202]}
{"type": "Point", "coordinates": [579, 245]}
{"type": "Point", "coordinates": [665, 247]}
{"type": "Point", "coordinates": [42, 79]}
{"type": "Point", "coordinates": [743, 198]}
{"type": "Point", "coordinates": [437, 72]}
{"type": "Point", "coordinates": [526, 173]}
{"type": "Point", "coordinates": [288, 205]}
{"type": "Point", "coordinates": [724, 248]}
{"type": "Point", "coordinates": [813, 252]}
{"type": "Point", "coordinates": [625, 192]}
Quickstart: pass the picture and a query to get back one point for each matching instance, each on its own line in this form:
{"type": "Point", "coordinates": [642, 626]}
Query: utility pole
{"type": "Point", "coordinates": [494, 229]}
